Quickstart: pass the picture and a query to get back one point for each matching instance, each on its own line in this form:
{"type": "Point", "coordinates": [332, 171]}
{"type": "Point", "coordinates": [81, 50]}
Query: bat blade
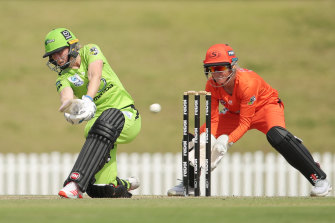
{"type": "Point", "coordinates": [72, 106]}
{"type": "Point", "coordinates": [65, 106]}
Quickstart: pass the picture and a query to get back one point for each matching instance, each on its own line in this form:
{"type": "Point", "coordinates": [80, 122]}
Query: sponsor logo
{"type": "Point", "coordinates": [185, 169]}
{"type": "Point", "coordinates": [206, 167]}
{"type": "Point", "coordinates": [185, 148]}
{"type": "Point", "coordinates": [231, 53]}
{"type": "Point", "coordinates": [207, 107]}
{"type": "Point", "coordinates": [49, 41]}
{"type": "Point", "coordinates": [185, 127]}
{"type": "Point", "coordinates": [314, 177]}
{"type": "Point", "coordinates": [207, 136]}
{"type": "Point", "coordinates": [75, 176]}
{"type": "Point", "coordinates": [76, 80]}
{"type": "Point", "coordinates": [185, 107]}
{"type": "Point", "coordinates": [230, 102]}
{"type": "Point", "coordinates": [103, 92]}
{"type": "Point", "coordinates": [195, 169]}
{"type": "Point", "coordinates": [94, 51]}
{"type": "Point", "coordinates": [103, 84]}
{"type": "Point", "coordinates": [66, 34]}
{"type": "Point", "coordinates": [252, 100]}
{"type": "Point", "coordinates": [196, 108]}
{"type": "Point", "coordinates": [58, 85]}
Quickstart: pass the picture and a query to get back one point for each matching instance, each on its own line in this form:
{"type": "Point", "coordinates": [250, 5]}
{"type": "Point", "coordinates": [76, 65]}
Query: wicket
{"type": "Point", "coordinates": [185, 149]}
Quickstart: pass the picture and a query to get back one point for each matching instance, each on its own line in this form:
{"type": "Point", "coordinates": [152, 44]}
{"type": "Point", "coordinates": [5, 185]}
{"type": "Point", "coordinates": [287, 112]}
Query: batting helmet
{"type": "Point", "coordinates": [58, 39]}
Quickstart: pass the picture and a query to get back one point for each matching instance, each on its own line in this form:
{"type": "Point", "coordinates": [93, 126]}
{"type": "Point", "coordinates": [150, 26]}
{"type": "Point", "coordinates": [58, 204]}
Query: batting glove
{"type": "Point", "coordinates": [85, 112]}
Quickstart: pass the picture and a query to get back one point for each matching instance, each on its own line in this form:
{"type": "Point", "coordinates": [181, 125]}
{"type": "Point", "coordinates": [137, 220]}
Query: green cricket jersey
{"type": "Point", "coordinates": [111, 92]}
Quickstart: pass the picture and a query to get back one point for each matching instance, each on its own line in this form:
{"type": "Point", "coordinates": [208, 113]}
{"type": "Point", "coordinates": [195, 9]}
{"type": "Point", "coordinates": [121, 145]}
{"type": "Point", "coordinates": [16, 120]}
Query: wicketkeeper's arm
{"type": "Point", "coordinates": [219, 148]}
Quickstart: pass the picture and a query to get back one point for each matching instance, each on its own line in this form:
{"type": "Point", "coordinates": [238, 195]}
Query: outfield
{"type": "Point", "coordinates": [157, 48]}
{"type": "Point", "coordinates": [161, 209]}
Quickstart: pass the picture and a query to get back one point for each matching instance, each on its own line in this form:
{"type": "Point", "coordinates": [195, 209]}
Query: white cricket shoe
{"type": "Point", "coordinates": [134, 183]}
{"type": "Point", "coordinates": [321, 188]}
{"type": "Point", "coordinates": [71, 190]}
{"type": "Point", "coordinates": [178, 190]}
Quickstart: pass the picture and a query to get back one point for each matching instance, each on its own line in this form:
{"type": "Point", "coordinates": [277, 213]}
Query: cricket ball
{"type": "Point", "coordinates": [155, 108]}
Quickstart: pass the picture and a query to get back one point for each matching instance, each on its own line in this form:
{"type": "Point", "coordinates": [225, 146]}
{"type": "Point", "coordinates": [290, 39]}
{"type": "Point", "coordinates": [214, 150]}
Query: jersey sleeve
{"type": "Point", "coordinates": [91, 53]}
{"type": "Point", "coordinates": [248, 94]}
{"type": "Point", "coordinates": [62, 83]}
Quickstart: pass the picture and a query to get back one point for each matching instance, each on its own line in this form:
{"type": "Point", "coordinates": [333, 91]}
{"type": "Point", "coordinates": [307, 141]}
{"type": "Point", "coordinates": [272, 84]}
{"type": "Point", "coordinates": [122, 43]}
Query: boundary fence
{"type": "Point", "coordinates": [247, 174]}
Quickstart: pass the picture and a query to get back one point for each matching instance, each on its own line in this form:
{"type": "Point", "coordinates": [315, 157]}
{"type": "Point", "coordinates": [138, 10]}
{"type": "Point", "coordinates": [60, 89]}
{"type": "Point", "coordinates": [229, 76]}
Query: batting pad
{"type": "Point", "coordinates": [96, 149]}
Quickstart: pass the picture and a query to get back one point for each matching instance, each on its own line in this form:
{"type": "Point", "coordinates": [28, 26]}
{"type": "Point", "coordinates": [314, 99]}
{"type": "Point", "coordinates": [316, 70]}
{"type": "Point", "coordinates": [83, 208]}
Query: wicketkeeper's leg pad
{"type": "Point", "coordinates": [109, 191]}
{"type": "Point", "coordinates": [296, 154]}
{"type": "Point", "coordinates": [95, 152]}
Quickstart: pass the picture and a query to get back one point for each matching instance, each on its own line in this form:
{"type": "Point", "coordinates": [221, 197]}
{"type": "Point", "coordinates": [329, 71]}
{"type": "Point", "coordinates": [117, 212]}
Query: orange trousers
{"type": "Point", "coordinates": [264, 119]}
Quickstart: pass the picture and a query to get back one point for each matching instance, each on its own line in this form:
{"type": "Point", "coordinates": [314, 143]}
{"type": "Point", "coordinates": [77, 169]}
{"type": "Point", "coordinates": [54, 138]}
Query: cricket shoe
{"type": "Point", "coordinates": [134, 183]}
{"type": "Point", "coordinates": [321, 188]}
{"type": "Point", "coordinates": [71, 190]}
{"type": "Point", "coordinates": [178, 190]}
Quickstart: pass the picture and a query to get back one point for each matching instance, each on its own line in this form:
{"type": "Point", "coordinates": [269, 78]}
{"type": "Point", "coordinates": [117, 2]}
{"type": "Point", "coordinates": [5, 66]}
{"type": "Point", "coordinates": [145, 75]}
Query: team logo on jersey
{"type": "Point", "coordinates": [94, 51]}
{"type": "Point", "coordinates": [222, 102]}
{"type": "Point", "coordinates": [76, 80]}
{"type": "Point", "coordinates": [252, 100]}
{"type": "Point", "coordinates": [224, 110]}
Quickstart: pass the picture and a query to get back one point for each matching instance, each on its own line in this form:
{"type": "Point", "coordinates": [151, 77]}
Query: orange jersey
{"type": "Point", "coordinates": [250, 95]}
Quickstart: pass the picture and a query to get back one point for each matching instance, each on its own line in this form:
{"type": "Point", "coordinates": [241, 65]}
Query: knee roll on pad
{"type": "Point", "coordinates": [109, 125]}
{"type": "Point", "coordinates": [95, 152]}
{"type": "Point", "coordinates": [108, 191]}
{"type": "Point", "coordinates": [295, 153]}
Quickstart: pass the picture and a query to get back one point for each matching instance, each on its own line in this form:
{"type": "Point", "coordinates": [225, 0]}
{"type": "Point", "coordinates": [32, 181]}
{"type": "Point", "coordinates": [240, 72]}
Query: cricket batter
{"type": "Point", "coordinates": [90, 91]}
{"type": "Point", "coordinates": [249, 103]}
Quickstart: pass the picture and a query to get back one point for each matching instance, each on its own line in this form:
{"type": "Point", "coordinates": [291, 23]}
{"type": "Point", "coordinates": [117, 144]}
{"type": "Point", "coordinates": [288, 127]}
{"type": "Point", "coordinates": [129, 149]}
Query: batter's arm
{"type": "Point", "coordinates": [94, 77]}
{"type": "Point", "coordinates": [66, 96]}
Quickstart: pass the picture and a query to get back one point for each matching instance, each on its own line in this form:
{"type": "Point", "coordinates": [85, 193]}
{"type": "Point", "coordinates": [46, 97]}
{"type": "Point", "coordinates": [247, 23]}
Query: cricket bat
{"type": "Point", "coordinates": [72, 107]}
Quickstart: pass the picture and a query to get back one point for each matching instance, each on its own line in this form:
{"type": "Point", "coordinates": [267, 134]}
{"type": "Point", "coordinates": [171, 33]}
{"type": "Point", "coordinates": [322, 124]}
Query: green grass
{"type": "Point", "coordinates": [162, 209]}
{"type": "Point", "coordinates": [157, 48]}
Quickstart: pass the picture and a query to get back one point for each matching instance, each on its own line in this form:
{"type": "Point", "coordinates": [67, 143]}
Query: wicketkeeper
{"type": "Point", "coordinates": [249, 103]}
{"type": "Point", "coordinates": [91, 92]}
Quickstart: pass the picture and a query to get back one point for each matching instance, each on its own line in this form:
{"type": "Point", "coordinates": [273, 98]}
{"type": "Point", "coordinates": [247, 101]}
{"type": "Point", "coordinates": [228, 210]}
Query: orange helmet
{"type": "Point", "coordinates": [220, 55]}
